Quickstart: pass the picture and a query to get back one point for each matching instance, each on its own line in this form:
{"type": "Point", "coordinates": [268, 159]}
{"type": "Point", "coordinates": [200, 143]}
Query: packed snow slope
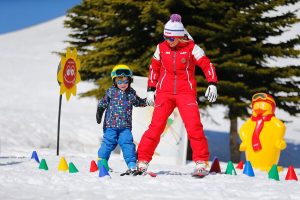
{"type": "Point", "coordinates": [21, 179]}
{"type": "Point", "coordinates": [28, 121]}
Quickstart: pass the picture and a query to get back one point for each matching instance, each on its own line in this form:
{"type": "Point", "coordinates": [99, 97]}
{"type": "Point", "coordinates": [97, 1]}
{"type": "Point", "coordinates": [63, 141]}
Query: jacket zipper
{"type": "Point", "coordinates": [174, 67]}
{"type": "Point", "coordinates": [187, 73]}
{"type": "Point", "coordinates": [165, 73]}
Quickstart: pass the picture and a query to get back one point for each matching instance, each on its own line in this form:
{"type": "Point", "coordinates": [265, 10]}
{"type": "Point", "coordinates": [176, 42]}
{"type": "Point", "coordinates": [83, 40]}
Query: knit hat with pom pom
{"type": "Point", "coordinates": [174, 27]}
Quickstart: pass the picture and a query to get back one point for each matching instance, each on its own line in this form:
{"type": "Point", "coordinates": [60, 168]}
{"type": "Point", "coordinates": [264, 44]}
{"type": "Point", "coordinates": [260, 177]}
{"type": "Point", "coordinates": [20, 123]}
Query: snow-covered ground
{"type": "Point", "coordinates": [28, 121]}
{"type": "Point", "coordinates": [25, 181]}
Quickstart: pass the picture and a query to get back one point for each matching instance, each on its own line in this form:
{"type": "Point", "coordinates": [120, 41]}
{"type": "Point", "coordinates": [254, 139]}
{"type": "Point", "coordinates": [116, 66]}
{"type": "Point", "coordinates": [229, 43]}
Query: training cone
{"type": "Point", "coordinates": [248, 170]}
{"type": "Point", "coordinates": [273, 173]}
{"type": "Point", "coordinates": [63, 166]}
{"type": "Point", "coordinates": [291, 175]}
{"type": "Point", "coordinates": [215, 166]}
{"type": "Point", "coordinates": [93, 166]}
{"type": "Point", "coordinates": [230, 169]}
{"type": "Point", "coordinates": [43, 165]}
{"type": "Point", "coordinates": [240, 165]}
{"type": "Point", "coordinates": [72, 168]}
{"type": "Point", "coordinates": [103, 162]}
{"type": "Point", "coordinates": [35, 156]}
{"type": "Point", "coordinates": [103, 172]}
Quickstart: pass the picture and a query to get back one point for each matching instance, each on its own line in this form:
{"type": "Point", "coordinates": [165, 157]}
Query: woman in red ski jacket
{"type": "Point", "coordinates": [172, 82]}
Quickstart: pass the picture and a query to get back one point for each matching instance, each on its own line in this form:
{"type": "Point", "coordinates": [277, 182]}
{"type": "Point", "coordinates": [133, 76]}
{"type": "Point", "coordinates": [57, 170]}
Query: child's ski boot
{"type": "Point", "coordinates": [131, 169]}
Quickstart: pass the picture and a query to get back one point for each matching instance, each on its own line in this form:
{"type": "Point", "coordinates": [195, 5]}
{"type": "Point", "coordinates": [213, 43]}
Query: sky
{"type": "Point", "coordinates": [18, 14]}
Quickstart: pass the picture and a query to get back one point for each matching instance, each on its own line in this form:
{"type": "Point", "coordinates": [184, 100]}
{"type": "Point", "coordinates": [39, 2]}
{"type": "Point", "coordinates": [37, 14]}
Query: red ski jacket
{"type": "Point", "coordinates": [172, 70]}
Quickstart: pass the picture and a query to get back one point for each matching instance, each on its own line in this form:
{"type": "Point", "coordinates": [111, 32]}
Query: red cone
{"type": "Point", "coordinates": [215, 167]}
{"type": "Point", "coordinates": [240, 165]}
{"type": "Point", "coordinates": [93, 166]}
{"type": "Point", "coordinates": [291, 175]}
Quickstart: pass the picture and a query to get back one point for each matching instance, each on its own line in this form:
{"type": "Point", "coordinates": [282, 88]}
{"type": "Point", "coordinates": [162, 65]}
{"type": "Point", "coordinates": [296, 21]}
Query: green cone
{"type": "Point", "coordinates": [103, 162]}
{"type": "Point", "coordinates": [273, 173]}
{"type": "Point", "coordinates": [230, 169]}
{"type": "Point", "coordinates": [43, 165]}
{"type": "Point", "coordinates": [72, 168]}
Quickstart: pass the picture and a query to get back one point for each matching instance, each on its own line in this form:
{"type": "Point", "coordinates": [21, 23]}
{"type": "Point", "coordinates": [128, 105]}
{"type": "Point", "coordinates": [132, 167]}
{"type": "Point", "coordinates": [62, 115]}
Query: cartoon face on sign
{"type": "Point", "coordinates": [69, 73]}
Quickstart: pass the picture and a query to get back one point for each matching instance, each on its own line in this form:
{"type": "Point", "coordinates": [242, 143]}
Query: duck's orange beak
{"type": "Point", "coordinates": [259, 112]}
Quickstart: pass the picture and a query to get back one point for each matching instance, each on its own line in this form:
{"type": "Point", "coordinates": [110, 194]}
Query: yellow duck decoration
{"type": "Point", "coordinates": [262, 134]}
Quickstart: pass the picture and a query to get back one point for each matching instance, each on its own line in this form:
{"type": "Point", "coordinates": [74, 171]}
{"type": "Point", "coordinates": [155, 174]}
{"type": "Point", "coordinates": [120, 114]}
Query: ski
{"type": "Point", "coordinates": [152, 174]}
{"type": "Point", "coordinates": [199, 174]}
{"type": "Point", "coordinates": [127, 173]}
{"type": "Point", "coordinates": [138, 173]}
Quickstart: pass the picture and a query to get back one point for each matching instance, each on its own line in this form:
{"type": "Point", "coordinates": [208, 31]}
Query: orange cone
{"type": "Point", "coordinates": [93, 166]}
{"type": "Point", "coordinates": [291, 175]}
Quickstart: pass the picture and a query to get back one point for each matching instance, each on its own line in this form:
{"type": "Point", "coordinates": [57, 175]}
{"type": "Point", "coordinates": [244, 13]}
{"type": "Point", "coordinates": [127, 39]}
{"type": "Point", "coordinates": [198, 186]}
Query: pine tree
{"type": "Point", "coordinates": [243, 40]}
{"type": "Point", "coordinates": [114, 32]}
{"type": "Point", "coordinates": [234, 34]}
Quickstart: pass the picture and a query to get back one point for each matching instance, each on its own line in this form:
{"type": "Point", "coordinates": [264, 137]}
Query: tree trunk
{"type": "Point", "coordinates": [234, 146]}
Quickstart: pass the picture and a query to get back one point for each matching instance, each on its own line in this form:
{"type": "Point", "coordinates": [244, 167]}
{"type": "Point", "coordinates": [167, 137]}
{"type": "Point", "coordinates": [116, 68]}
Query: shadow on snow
{"type": "Point", "coordinates": [11, 160]}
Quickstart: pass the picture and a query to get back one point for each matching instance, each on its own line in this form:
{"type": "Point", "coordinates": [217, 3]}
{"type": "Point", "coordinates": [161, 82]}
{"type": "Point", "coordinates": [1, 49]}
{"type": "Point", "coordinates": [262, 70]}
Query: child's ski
{"type": "Point", "coordinates": [138, 172]}
{"type": "Point", "coordinates": [128, 172]}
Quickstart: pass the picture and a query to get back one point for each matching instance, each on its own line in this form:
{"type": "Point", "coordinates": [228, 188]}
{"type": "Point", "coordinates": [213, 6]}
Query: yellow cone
{"type": "Point", "coordinates": [63, 166]}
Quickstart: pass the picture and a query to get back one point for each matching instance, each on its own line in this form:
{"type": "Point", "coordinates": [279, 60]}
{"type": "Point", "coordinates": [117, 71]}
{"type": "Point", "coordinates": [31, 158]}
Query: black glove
{"type": "Point", "coordinates": [99, 114]}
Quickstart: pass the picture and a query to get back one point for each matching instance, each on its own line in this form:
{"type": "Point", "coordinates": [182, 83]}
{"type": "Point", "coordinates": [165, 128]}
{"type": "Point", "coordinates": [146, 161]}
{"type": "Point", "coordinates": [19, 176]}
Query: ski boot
{"type": "Point", "coordinates": [142, 167]}
{"type": "Point", "coordinates": [129, 172]}
{"type": "Point", "coordinates": [131, 169]}
{"type": "Point", "coordinates": [200, 169]}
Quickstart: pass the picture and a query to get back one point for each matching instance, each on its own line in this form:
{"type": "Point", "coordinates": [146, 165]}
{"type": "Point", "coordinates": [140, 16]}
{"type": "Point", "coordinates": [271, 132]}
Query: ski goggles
{"type": "Point", "coordinates": [121, 72]}
{"type": "Point", "coordinates": [123, 82]}
{"type": "Point", "coordinates": [263, 97]}
{"type": "Point", "coordinates": [171, 39]}
{"type": "Point", "coordinates": [259, 96]}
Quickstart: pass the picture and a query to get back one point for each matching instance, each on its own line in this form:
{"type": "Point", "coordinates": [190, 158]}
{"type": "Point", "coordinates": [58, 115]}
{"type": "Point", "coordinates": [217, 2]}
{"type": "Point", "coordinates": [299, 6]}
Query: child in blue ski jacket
{"type": "Point", "coordinates": [117, 103]}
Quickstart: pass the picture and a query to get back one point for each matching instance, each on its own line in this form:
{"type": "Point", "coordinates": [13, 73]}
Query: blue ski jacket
{"type": "Point", "coordinates": [118, 105]}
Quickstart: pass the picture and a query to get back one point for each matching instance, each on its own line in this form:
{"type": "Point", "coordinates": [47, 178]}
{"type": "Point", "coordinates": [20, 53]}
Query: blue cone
{"type": "Point", "coordinates": [35, 156]}
{"type": "Point", "coordinates": [248, 170]}
{"type": "Point", "coordinates": [103, 162]}
{"type": "Point", "coordinates": [103, 172]}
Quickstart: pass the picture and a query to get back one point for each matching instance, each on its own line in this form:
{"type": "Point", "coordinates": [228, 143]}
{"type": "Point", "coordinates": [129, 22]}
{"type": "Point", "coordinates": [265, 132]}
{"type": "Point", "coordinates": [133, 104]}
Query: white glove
{"type": "Point", "coordinates": [211, 93]}
{"type": "Point", "coordinates": [150, 98]}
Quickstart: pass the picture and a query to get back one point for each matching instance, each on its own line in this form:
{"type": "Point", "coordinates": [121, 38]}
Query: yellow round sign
{"type": "Point", "coordinates": [68, 75]}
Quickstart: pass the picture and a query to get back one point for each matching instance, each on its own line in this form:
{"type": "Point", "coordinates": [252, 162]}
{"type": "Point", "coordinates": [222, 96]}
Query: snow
{"type": "Point", "coordinates": [25, 181]}
{"type": "Point", "coordinates": [28, 121]}
{"type": "Point", "coordinates": [30, 93]}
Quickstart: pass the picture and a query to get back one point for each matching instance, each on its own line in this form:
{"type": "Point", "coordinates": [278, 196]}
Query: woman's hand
{"type": "Point", "coordinates": [211, 93]}
{"type": "Point", "coordinates": [150, 98]}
